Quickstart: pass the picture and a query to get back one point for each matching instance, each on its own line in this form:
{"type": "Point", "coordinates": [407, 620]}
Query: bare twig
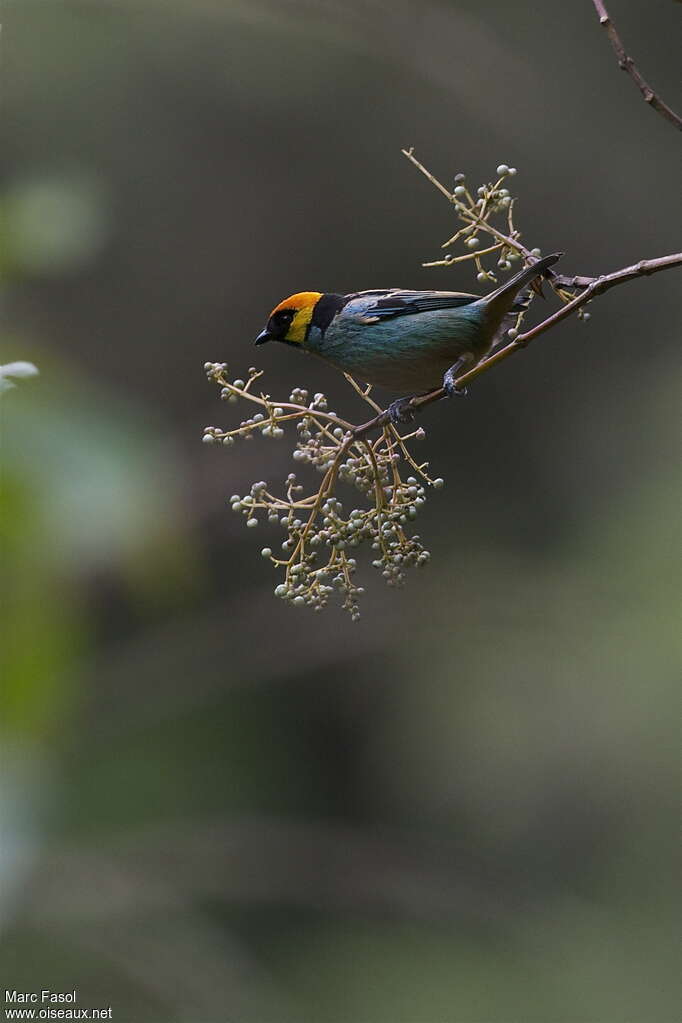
{"type": "Point", "coordinates": [592, 286]}
{"type": "Point", "coordinates": [626, 63]}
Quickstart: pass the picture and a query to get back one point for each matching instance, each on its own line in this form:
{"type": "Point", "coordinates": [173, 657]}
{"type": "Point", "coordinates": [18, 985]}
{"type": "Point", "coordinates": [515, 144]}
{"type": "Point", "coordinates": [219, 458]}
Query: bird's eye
{"type": "Point", "coordinates": [280, 322]}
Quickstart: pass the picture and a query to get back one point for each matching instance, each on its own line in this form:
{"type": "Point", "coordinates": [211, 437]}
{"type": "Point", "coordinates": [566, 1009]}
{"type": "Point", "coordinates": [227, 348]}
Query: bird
{"type": "Point", "coordinates": [405, 341]}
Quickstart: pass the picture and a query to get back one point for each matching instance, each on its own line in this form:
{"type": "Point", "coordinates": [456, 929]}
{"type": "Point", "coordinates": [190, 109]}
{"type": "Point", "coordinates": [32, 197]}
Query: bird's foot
{"type": "Point", "coordinates": [449, 385]}
{"type": "Point", "coordinates": [401, 411]}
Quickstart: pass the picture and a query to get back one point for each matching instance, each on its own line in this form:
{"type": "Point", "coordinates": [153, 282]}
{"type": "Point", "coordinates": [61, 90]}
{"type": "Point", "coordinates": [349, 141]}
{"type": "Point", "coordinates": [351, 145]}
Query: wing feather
{"type": "Point", "coordinates": [384, 305]}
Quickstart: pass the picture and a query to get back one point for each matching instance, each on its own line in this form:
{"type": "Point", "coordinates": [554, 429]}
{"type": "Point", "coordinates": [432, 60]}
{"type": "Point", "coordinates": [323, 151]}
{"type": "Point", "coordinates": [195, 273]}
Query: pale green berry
{"type": "Point", "coordinates": [512, 333]}
{"type": "Point", "coordinates": [266, 552]}
{"type": "Point", "coordinates": [251, 523]}
{"type": "Point", "coordinates": [281, 590]}
{"type": "Point", "coordinates": [472, 243]}
{"type": "Point", "coordinates": [208, 438]}
{"type": "Point", "coordinates": [502, 170]}
{"type": "Point", "coordinates": [439, 483]}
{"type": "Point", "coordinates": [460, 191]}
{"type": "Point", "coordinates": [239, 384]}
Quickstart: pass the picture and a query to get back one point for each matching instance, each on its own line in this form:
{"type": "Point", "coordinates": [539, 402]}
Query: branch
{"type": "Point", "coordinates": [593, 286]}
{"type": "Point", "coordinates": [626, 63]}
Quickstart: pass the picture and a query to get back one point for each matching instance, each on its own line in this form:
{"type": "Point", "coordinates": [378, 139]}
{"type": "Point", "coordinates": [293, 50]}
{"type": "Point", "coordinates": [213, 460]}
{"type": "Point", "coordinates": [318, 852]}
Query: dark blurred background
{"type": "Point", "coordinates": [216, 807]}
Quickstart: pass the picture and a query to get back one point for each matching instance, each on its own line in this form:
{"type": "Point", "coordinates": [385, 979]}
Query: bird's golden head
{"type": "Point", "coordinates": [289, 321]}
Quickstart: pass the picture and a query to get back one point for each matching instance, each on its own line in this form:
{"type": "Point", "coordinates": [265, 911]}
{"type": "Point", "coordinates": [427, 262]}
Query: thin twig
{"type": "Point", "coordinates": [592, 286]}
{"type": "Point", "coordinates": [626, 63]}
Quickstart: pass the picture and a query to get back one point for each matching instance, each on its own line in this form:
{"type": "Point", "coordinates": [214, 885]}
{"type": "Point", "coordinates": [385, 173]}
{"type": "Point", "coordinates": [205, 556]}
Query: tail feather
{"type": "Point", "coordinates": [506, 293]}
{"type": "Point", "coordinates": [522, 301]}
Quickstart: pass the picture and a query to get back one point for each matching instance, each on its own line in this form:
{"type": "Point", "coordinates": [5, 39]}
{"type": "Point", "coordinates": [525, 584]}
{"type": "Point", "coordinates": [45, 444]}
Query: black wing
{"type": "Point", "coordinates": [388, 304]}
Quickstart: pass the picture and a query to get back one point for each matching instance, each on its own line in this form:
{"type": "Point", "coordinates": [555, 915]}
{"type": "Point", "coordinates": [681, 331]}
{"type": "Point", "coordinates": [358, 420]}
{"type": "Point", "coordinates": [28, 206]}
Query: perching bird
{"type": "Point", "coordinates": [409, 341]}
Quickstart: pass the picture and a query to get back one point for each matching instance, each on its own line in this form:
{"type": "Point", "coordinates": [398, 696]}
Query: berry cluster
{"type": "Point", "coordinates": [321, 535]}
{"type": "Point", "coordinates": [488, 211]}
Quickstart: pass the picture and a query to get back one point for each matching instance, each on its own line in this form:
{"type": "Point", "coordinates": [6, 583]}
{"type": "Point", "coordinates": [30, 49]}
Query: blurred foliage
{"type": "Point", "coordinates": [52, 225]}
{"type": "Point", "coordinates": [212, 807]}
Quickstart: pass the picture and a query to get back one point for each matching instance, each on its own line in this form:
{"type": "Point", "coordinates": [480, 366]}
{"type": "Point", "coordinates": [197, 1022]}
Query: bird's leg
{"type": "Point", "coordinates": [401, 411]}
{"type": "Point", "coordinates": [451, 375]}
